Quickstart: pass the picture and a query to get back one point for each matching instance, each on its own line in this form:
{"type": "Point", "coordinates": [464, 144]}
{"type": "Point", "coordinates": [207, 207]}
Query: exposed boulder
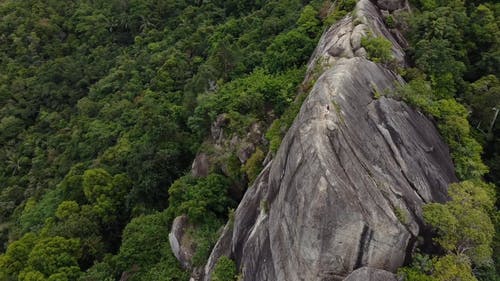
{"type": "Point", "coordinates": [245, 151]}
{"type": "Point", "coordinates": [358, 33]}
{"type": "Point", "coordinates": [201, 165]}
{"type": "Point", "coordinates": [182, 246]}
{"type": "Point", "coordinates": [370, 274]}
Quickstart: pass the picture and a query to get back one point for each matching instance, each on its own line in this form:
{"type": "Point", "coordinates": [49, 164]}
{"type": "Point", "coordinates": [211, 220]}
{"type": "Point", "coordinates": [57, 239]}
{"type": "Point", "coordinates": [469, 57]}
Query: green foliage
{"type": "Point", "coordinates": [105, 192]}
{"type": "Point", "coordinates": [253, 166]}
{"type": "Point", "coordinates": [454, 47]}
{"type": "Point", "coordinates": [463, 224]}
{"type": "Point", "coordinates": [389, 21]}
{"type": "Point", "coordinates": [35, 213]}
{"type": "Point", "coordinates": [308, 21]}
{"type": "Point", "coordinates": [103, 105]}
{"type": "Point", "coordinates": [453, 267]}
{"type": "Point", "coordinates": [340, 9]}
{"type": "Point", "coordinates": [448, 267]}
{"type": "Point", "coordinates": [280, 126]}
{"type": "Point", "coordinates": [288, 50]}
{"type": "Point", "coordinates": [101, 271]}
{"type": "Point", "coordinates": [225, 270]}
{"type": "Point", "coordinates": [453, 125]}
{"type": "Point", "coordinates": [74, 221]}
{"type": "Point", "coordinates": [145, 247]}
{"type": "Point", "coordinates": [420, 269]}
{"type": "Point", "coordinates": [292, 49]}
{"type": "Point", "coordinates": [54, 258]}
{"type": "Point", "coordinates": [197, 198]}
{"type": "Point", "coordinates": [16, 256]}
{"type": "Point", "coordinates": [378, 49]}
{"type": "Point", "coordinates": [205, 236]}
{"type": "Point", "coordinates": [246, 100]}
{"type": "Point", "coordinates": [401, 215]}
{"type": "Point", "coordinates": [167, 269]}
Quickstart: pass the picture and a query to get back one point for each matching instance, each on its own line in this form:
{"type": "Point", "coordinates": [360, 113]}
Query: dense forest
{"type": "Point", "coordinates": [105, 104]}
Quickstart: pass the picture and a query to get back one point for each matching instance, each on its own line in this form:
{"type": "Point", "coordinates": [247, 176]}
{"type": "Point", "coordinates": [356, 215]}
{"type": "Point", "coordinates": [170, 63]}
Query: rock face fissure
{"type": "Point", "coordinates": [343, 196]}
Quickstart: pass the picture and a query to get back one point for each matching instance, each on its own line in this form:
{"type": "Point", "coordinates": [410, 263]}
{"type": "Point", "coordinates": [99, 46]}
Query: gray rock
{"type": "Point", "coordinates": [245, 151]}
{"type": "Point", "coordinates": [346, 187]}
{"type": "Point", "coordinates": [369, 14]}
{"type": "Point", "coordinates": [361, 52]}
{"type": "Point", "coordinates": [255, 134]}
{"type": "Point", "coordinates": [180, 243]}
{"type": "Point", "coordinates": [344, 193]}
{"type": "Point", "coordinates": [358, 33]}
{"type": "Point", "coordinates": [201, 165]}
{"type": "Point", "coordinates": [343, 38]}
{"type": "Point", "coordinates": [370, 274]}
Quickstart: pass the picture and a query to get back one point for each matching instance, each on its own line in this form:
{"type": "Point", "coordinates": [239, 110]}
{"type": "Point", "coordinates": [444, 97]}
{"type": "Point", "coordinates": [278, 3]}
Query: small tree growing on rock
{"type": "Point", "coordinates": [378, 49]}
{"type": "Point", "coordinates": [225, 270]}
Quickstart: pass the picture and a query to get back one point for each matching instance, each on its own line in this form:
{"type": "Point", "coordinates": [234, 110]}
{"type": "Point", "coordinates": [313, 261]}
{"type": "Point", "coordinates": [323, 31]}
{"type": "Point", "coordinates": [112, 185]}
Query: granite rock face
{"type": "Point", "coordinates": [342, 198]}
{"type": "Point", "coordinates": [346, 187]}
{"type": "Point", "coordinates": [343, 39]}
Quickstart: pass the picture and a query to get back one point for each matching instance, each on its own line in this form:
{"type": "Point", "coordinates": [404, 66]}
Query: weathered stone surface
{"type": "Point", "coordinates": [358, 33]}
{"type": "Point", "coordinates": [182, 247]}
{"type": "Point", "coordinates": [201, 165]}
{"type": "Point", "coordinates": [343, 39]}
{"type": "Point", "coordinates": [342, 198]}
{"type": "Point", "coordinates": [369, 14]}
{"type": "Point", "coordinates": [245, 151]}
{"type": "Point", "coordinates": [361, 52]}
{"type": "Point", "coordinates": [346, 187]}
{"type": "Point", "coordinates": [370, 274]}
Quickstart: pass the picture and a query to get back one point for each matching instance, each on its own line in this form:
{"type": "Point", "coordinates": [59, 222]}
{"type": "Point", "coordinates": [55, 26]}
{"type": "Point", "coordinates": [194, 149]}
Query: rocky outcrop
{"type": "Point", "coordinates": [342, 198]}
{"type": "Point", "coordinates": [180, 243]}
{"type": "Point", "coordinates": [343, 39]}
{"type": "Point", "coordinates": [201, 165]}
{"type": "Point", "coordinates": [346, 187]}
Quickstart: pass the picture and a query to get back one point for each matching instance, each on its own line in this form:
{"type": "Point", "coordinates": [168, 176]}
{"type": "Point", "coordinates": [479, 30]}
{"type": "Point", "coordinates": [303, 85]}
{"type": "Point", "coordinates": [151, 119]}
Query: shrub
{"type": "Point", "coordinates": [253, 166]}
{"type": "Point", "coordinates": [378, 49]}
{"type": "Point", "coordinates": [280, 126]}
{"type": "Point", "coordinates": [463, 224]}
{"type": "Point", "coordinates": [225, 270]}
{"type": "Point", "coordinates": [199, 197]}
{"type": "Point", "coordinates": [389, 21]}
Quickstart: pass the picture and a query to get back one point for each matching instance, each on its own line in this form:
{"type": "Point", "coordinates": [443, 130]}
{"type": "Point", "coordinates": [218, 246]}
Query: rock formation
{"type": "Point", "coordinates": [346, 187]}
{"type": "Point", "coordinates": [180, 243]}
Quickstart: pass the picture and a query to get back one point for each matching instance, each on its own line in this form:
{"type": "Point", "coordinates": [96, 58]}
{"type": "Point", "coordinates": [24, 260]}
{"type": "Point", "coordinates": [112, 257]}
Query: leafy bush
{"type": "Point", "coordinates": [341, 9]}
{"type": "Point", "coordinates": [205, 236]}
{"type": "Point", "coordinates": [453, 126]}
{"type": "Point", "coordinates": [463, 224]}
{"type": "Point", "coordinates": [197, 198]}
{"type": "Point", "coordinates": [145, 244]}
{"type": "Point", "coordinates": [225, 270]}
{"type": "Point", "coordinates": [378, 49]}
{"type": "Point", "coordinates": [253, 166]}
